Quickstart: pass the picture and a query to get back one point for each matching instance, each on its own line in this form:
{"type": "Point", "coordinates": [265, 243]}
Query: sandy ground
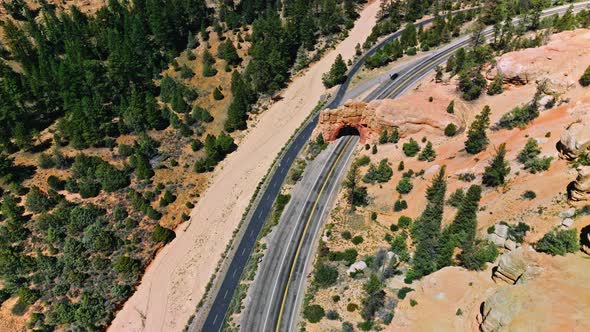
{"type": "Point", "coordinates": [176, 279]}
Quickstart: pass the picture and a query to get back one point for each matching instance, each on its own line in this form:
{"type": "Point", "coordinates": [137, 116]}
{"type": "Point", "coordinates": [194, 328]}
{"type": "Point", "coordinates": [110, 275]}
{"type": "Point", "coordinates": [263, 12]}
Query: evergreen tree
{"type": "Point", "coordinates": [477, 139]}
{"type": "Point", "coordinates": [428, 153]}
{"type": "Point", "coordinates": [426, 229]}
{"type": "Point", "coordinates": [394, 137]}
{"type": "Point", "coordinates": [496, 87]}
{"type": "Point", "coordinates": [411, 148]}
{"type": "Point", "coordinates": [384, 137]}
{"type": "Point", "coordinates": [495, 174]}
{"type": "Point", "coordinates": [337, 73]}
{"type": "Point", "coordinates": [409, 38]}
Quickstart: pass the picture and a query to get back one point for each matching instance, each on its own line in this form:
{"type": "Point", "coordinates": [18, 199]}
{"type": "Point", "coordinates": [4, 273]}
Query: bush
{"type": "Point", "coordinates": [357, 240]}
{"type": "Point", "coordinates": [559, 242]}
{"type": "Point", "coordinates": [45, 161]}
{"type": "Point", "coordinates": [217, 95]}
{"type": "Point", "coordinates": [402, 292]}
{"type": "Point", "coordinates": [162, 234]}
{"type": "Point", "coordinates": [518, 231]}
{"type": "Point", "coordinates": [373, 216]}
{"type": "Point", "coordinates": [450, 130]}
{"type": "Point", "coordinates": [496, 87]}
{"type": "Point", "coordinates": [496, 172]}
{"type": "Point", "coordinates": [352, 307]}
{"type": "Point", "coordinates": [325, 275]}
{"type": "Point", "coordinates": [332, 315]}
{"type": "Point", "coordinates": [196, 145]}
{"type": "Point", "coordinates": [400, 205]}
{"type": "Point", "coordinates": [451, 107]}
{"type": "Point", "coordinates": [313, 313]}
{"type": "Point", "coordinates": [404, 221]}
{"type": "Point", "coordinates": [393, 227]}
{"type": "Point", "coordinates": [529, 194]}
{"type": "Point", "coordinates": [346, 235]}
{"type": "Point", "coordinates": [127, 266]}
{"type": "Point", "coordinates": [38, 201]}
{"type": "Point", "coordinates": [335, 298]}
{"type": "Point", "coordinates": [125, 150]}
{"type": "Point", "coordinates": [413, 302]}
{"type": "Point", "coordinates": [529, 157]}
{"type": "Point", "coordinates": [411, 148]}
{"type": "Point", "coordinates": [404, 186]}
{"type": "Point", "coordinates": [55, 183]}
{"type": "Point", "coordinates": [475, 257]}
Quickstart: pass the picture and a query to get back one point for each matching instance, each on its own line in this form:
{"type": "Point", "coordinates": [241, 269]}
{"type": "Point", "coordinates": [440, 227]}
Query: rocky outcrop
{"type": "Point", "coordinates": [573, 143]}
{"type": "Point", "coordinates": [575, 140]}
{"type": "Point", "coordinates": [516, 266]}
{"type": "Point", "coordinates": [532, 64]}
{"type": "Point", "coordinates": [370, 119]}
{"type": "Point", "coordinates": [498, 310]}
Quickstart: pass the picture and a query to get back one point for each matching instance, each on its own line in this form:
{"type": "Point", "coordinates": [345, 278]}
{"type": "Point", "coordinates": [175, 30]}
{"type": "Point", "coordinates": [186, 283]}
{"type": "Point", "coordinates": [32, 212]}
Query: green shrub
{"type": "Point", "coordinates": [413, 302]}
{"type": "Point", "coordinates": [313, 313]}
{"type": "Point", "coordinates": [404, 186]}
{"type": "Point", "coordinates": [357, 240]}
{"type": "Point", "coordinates": [411, 148]}
{"type": "Point", "coordinates": [402, 292]}
{"type": "Point", "coordinates": [400, 205]}
{"type": "Point", "coordinates": [162, 234]}
{"type": "Point", "coordinates": [38, 201]}
{"type": "Point", "coordinates": [332, 315]}
{"type": "Point", "coordinates": [404, 221]}
{"type": "Point", "coordinates": [496, 87]}
{"type": "Point", "coordinates": [127, 266]}
{"type": "Point", "coordinates": [325, 275]}
{"type": "Point", "coordinates": [475, 257]}
{"type": "Point", "coordinates": [217, 95]}
{"type": "Point", "coordinates": [559, 242]}
{"type": "Point", "coordinates": [45, 161]}
{"type": "Point", "coordinates": [451, 107]}
{"type": "Point", "coordinates": [450, 130]}
{"type": "Point", "coordinates": [529, 194]}
{"type": "Point", "coordinates": [352, 307]}
{"type": "Point", "coordinates": [346, 235]}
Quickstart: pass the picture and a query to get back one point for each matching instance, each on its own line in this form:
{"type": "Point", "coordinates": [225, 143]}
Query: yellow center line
{"type": "Point", "coordinates": [315, 204]}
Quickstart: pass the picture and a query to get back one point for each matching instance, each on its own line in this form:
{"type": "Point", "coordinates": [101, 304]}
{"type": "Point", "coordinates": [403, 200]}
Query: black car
{"type": "Point", "coordinates": [393, 76]}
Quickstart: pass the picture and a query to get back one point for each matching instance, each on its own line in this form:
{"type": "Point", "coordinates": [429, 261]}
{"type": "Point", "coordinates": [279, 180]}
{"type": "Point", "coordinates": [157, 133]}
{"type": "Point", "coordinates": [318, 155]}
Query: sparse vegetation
{"type": "Point", "coordinates": [477, 139]}
{"type": "Point", "coordinates": [411, 148]}
{"type": "Point", "coordinates": [559, 242]}
{"type": "Point", "coordinates": [496, 172]}
{"type": "Point", "coordinates": [529, 157]}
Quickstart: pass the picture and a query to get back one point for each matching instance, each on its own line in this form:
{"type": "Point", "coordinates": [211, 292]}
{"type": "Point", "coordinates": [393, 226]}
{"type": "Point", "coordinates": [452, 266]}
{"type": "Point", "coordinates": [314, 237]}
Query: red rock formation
{"type": "Point", "coordinates": [370, 119]}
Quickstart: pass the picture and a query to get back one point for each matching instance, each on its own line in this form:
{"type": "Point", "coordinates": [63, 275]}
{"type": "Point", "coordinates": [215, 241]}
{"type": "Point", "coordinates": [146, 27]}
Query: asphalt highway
{"type": "Point", "coordinates": [282, 270]}
{"type": "Point", "coordinates": [278, 287]}
{"type": "Point", "coordinates": [216, 315]}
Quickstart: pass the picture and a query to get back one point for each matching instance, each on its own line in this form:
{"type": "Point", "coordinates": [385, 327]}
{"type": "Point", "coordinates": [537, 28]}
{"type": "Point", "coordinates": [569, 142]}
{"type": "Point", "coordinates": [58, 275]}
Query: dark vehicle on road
{"type": "Point", "coordinates": [393, 76]}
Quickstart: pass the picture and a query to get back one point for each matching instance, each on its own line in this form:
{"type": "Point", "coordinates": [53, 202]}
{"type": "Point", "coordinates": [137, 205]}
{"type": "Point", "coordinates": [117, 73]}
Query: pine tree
{"type": "Point", "coordinates": [477, 139]}
{"type": "Point", "coordinates": [496, 87]}
{"type": "Point", "coordinates": [394, 137]}
{"type": "Point", "coordinates": [428, 153]}
{"type": "Point", "coordinates": [426, 229]}
{"type": "Point", "coordinates": [495, 174]}
{"type": "Point", "coordinates": [383, 138]}
{"type": "Point", "coordinates": [409, 38]}
{"type": "Point", "coordinates": [337, 73]}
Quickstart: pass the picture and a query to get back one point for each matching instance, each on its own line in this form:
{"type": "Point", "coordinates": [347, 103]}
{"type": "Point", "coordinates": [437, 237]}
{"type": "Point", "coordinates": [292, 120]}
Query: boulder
{"type": "Point", "coordinates": [579, 189]}
{"type": "Point", "coordinates": [510, 244]}
{"type": "Point", "coordinates": [359, 266]}
{"type": "Point", "coordinates": [516, 266]}
{"type": "Point", "coordinates": [501, 230]}
{"type": "Point", "coordinates": [575, 140]}
{"type": "Point", "coordinates": [567, 213]}
{"type": "Point", "coordinates": [497, 240]}
{"type": "Point", "coordinates": [498, 310]}
{"type": "Point", "coordinates": [567, 222]}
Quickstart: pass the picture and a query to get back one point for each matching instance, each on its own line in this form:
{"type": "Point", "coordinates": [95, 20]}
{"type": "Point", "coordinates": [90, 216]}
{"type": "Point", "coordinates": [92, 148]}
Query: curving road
{"type": "Point", "coordinates": [278, 288]}
{"type": "Point", "coordinates": [216, 315]}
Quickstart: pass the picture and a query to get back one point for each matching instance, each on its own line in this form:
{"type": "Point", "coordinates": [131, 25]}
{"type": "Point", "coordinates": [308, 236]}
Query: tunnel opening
{"type": "Point", "coordinates": [348, 131]}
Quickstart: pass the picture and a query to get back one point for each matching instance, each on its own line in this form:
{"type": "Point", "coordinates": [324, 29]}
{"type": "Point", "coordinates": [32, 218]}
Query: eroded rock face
{"type": "Point", "coordinates": [575, 140]}
{"type": "Point", "coordinates": [573, 143]}
{"type": "Point", "coordinates": [370, 119]}
{"type": "Point", "coordinates": [516, 266]}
